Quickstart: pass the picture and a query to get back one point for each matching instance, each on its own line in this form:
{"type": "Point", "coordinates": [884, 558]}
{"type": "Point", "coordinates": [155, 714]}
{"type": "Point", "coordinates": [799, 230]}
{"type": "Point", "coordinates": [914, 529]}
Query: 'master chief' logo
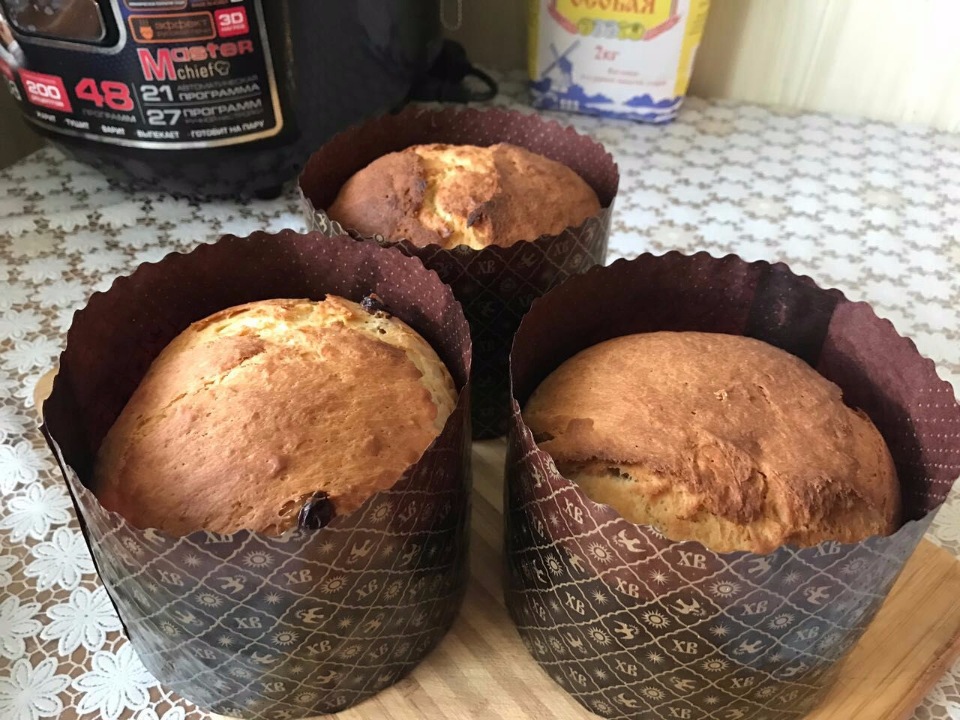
{"type": "Point", "coordinates": [168, 63]}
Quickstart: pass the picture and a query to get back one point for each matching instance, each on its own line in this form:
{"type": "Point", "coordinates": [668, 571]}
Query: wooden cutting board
{"type": "Point", "coordinates": [481, 670]}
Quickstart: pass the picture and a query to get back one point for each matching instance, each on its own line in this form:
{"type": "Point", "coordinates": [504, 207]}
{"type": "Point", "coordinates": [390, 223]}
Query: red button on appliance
{"type": "Point", "coordinates": [232, 21]}
{"type": "Point", "coordinates": [46, 90]}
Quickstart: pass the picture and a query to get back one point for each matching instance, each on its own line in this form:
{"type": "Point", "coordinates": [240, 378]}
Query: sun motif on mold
{"type": "Point", "coordinates": [209, 599]}
{"type": "Point", "coordinates": [598, 636]}
{"type": "Point", "coordinates": [599, 705]}
{"type": "Point", "coordinates": [287, 637]}
{"type": "Point", "coordinates": [382, 511]}
{"type": "Point", "coordinates": [781, 621]}
{"type": "Point", "coordinates": [132, 546]}
{"type": "Point", "coordinates": [600, 552]}
{"type": "Point", "coordinates": [725, 588]}
{"type": "Point", "coordinates": [715, 665]}
{"type": "Point", "coordinates": [169, 629]}
{"type": "Point", "coordinates": [258, 559]}
{"type": "Point", "coordinates": [333, 584]}
{"type": "Point", "coordinates": [554, 566]}
{"type": "Point", "coordinates": [655, 619]}
{"type": "Point", "coordinates": [652, 693]}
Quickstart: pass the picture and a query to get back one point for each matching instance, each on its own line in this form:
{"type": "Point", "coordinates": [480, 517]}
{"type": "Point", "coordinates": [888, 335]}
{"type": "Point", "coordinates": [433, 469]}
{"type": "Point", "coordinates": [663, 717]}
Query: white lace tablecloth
{"type": "Point", "coordinates": [871, 208]}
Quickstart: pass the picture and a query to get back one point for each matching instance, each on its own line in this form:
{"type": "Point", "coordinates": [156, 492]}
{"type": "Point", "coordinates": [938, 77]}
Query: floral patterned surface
{"type": "Point", "coordinates": [871, 208]}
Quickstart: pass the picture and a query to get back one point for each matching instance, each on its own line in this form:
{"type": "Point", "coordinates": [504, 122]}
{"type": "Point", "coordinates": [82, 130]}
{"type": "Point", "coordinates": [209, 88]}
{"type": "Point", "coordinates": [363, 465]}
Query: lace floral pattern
{"type": "Point", "coordinates": [868, 207]}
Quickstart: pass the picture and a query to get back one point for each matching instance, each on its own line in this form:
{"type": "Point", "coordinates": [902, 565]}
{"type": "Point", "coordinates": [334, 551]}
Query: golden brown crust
{"type": "Point", "coordinates": [452, 195]}
{"type": "Point", "coordinates": [716, 438]}
{"type": "Point", "coordinates": [248, 412]}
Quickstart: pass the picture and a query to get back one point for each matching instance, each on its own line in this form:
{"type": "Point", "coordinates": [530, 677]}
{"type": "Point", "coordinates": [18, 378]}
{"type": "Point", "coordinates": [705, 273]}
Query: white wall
{"type": "Point", "coordinates": [895, 60]}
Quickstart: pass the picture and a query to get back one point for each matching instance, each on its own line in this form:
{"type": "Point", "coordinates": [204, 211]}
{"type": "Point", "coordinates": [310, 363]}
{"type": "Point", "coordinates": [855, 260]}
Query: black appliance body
{"type": "Point", "coordinates": [209, 97]}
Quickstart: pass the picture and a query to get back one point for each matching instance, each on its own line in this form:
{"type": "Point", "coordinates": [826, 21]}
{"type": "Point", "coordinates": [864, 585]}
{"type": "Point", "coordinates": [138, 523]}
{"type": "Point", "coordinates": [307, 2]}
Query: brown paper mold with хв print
{"type": "Point", "coordinates": [495, 285]}
{"type": "Point", "coordinates": [248, 625]}
{"type": "Point", "coordinates": [634, 625]}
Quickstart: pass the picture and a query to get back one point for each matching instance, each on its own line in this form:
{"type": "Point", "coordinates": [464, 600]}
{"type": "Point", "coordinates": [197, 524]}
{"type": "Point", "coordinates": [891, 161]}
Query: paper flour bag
{"type": "Point", "coordinates": [627, 59]}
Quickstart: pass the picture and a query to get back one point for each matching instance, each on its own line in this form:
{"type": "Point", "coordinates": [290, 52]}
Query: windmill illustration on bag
{"type": "Point", "coordinates": [560, 71]}
{"type": "Point", "coordinates": [557, 83]}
